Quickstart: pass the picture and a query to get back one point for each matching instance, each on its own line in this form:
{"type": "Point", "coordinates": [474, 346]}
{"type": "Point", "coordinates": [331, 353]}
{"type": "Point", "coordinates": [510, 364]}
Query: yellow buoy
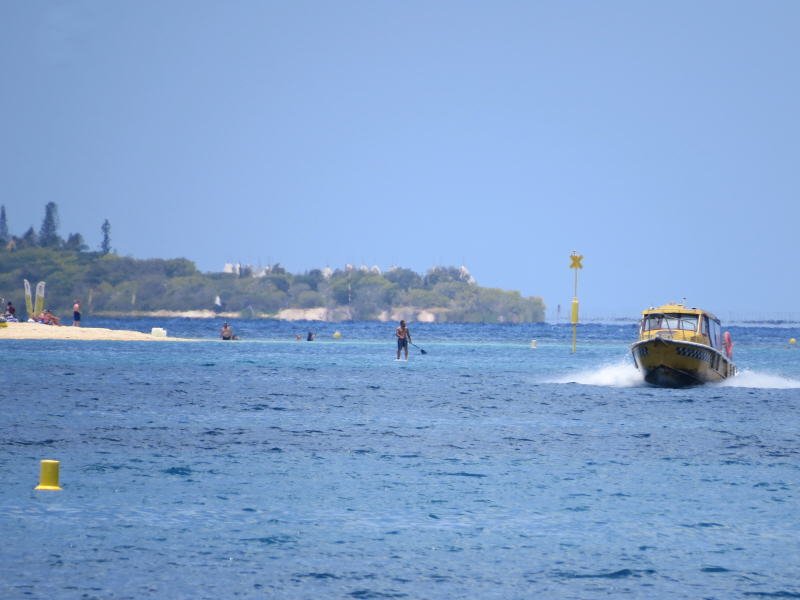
{"type": "Point", "coordinates": [48, 478]}
{"type": "Point", "coordinates": [792, 341]}
{"type": "Point", "coordinates": [337, 334]}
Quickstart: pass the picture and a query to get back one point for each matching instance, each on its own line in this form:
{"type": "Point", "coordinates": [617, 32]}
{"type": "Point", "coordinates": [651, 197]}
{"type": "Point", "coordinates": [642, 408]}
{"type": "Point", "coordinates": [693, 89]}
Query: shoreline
{"type": "Point", "coordinates": [328, 315]}
{"type": "Point", "coordinates": [40, 331]}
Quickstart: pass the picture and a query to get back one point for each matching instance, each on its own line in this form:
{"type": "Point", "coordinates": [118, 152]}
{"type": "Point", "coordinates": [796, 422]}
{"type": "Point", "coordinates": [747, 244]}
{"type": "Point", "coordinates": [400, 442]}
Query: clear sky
{"type": "Point", "coordinates": [661, 140]}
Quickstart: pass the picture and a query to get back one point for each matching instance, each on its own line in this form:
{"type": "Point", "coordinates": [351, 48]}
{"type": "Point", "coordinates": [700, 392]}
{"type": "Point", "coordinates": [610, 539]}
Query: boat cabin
{"type": "Point", "coordinates": [676, 322]}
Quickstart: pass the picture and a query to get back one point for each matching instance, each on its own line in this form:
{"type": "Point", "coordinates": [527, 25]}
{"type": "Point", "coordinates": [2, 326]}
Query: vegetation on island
{"type": "Point", "coordinates": [108, 283]}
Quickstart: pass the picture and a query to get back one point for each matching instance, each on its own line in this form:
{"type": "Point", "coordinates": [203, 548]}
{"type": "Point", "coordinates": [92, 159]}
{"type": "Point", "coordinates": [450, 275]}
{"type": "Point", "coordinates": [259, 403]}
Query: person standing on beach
{"type": "Point", "coordinates": [76, 314]}
{"type": "Point", "coordinates": [403, 338]}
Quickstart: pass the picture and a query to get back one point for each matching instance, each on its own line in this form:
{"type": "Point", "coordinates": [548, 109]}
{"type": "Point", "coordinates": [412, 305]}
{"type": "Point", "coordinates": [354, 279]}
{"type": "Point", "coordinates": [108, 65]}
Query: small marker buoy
{"type": "Point", "coordinates": [792, 341]}
{"type": "Point", "coordinates": [48, 477]}
{"type": "Point", "coordinates": [533, 343]}
{"type": "Point", "coordinates": [337, 334]}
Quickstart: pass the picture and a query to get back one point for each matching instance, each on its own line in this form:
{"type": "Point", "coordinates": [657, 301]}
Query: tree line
{"type": "Point", "coordinates": [47, 236]}
{"type": "Point", "coordinates": [107, 282]}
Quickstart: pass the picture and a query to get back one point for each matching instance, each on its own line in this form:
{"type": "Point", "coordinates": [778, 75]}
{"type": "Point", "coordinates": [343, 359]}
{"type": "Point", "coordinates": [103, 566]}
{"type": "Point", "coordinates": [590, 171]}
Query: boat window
{"type": "Point", "coordinates": [651, 322]}
{"type": "Point", "coordinates": [670, 321]}
{"type": "Point", "coordinates": [688, 322]}
{"type": "Point", "coordinates": [704, 329]}
{"type": "Point", "coordinates": [715, 333]}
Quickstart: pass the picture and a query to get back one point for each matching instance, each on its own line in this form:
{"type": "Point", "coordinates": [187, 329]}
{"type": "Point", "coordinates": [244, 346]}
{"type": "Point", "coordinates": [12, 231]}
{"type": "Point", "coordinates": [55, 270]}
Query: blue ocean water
{"type": "Point", "coordinates": [275, 468]}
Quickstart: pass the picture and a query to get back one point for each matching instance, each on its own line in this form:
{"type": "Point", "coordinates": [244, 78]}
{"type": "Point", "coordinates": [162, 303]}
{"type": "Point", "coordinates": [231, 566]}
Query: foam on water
{"type": "Point", "coordinates": [624, 374]}
{"type": "Point", "coordinates": [621, 374]}
{"type": "Point", "coordinates": [759, 379]}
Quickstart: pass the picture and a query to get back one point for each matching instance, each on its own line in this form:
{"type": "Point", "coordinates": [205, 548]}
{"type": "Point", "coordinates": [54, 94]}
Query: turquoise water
{"type": "Point", "coordinates": [271, 468]}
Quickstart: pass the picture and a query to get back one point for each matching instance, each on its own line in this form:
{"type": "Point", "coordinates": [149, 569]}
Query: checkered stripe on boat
{"type": "Point", "coordinates": [694, 353]}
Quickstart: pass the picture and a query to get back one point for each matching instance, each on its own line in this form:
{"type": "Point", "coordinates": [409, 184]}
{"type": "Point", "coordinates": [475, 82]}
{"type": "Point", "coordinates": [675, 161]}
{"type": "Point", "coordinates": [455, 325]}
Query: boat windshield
{"type": "Point", "coordinates": [669, 321]}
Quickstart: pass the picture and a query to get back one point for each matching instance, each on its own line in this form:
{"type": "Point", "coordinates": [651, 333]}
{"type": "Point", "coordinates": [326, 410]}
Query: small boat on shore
{"type": "Point", "coordinates": [682, 347]}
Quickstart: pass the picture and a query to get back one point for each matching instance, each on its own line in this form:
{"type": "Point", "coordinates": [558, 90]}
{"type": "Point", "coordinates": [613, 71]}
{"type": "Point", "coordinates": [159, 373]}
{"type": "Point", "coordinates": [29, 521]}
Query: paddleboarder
{"type": "Point", "coordinates": [403, 338]}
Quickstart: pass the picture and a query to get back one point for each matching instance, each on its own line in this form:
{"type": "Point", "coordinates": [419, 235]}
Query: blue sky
{"type": "Point", "coordinates": [660, 140]}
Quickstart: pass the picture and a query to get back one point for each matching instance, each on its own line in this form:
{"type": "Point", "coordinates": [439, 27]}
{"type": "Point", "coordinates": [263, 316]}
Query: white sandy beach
{"type": "Point", "coordinates": [39, 331]}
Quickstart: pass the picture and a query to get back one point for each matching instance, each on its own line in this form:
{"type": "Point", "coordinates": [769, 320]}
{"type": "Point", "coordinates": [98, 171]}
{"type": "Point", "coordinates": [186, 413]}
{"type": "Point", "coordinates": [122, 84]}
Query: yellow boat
{"type": "Point", "coordinates": [681, 347]}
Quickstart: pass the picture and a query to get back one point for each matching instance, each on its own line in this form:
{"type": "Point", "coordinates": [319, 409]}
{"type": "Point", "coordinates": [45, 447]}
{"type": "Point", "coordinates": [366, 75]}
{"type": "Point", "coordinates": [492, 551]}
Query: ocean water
{"type": "Point", "coordinates": [275, 468]}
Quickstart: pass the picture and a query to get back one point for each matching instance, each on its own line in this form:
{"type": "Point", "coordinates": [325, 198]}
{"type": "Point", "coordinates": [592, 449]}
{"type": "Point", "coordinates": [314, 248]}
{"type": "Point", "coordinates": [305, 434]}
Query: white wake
{"type": "Point", "coordinates": [625, 374]}
{"type": "Point", "coordinates": [759, 379]}
{"type": "Point", "coordinates": [622, 374]}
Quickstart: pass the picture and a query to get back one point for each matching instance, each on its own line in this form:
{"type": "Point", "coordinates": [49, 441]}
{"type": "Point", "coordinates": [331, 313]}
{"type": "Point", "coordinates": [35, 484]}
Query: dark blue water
{"type": "Point", "coordinates": [271, 468]}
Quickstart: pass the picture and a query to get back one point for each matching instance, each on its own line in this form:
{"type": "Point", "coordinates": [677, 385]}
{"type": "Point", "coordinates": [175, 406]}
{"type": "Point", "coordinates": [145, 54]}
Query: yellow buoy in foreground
{"type": "Point", "coordinates": [48, 478]}
{"type": "Point", "coordinates": [337, 334]}
{"type": "Point", "coordinates": [792, 341]}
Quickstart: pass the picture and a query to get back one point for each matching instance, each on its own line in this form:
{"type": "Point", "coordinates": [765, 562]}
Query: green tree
{"type": "Point", "coordinates": [405, 279]}
{"type": "Point", "coordinates": [105, 246]}
{"type": "Point", "coordinates": [441, 275]}
{"type": "Point", "coordinates": [28, 240]}
{"type": "Point", "coordinates": [75, 243]}
{"type": "Point", "coordinates": [312, 278]}
{"type": "Point", "coordinates": [4, 235]}
{"type": "Point", "coordinates": [48, 234]}
{"type": "Point", "coordinates": [425, 299]}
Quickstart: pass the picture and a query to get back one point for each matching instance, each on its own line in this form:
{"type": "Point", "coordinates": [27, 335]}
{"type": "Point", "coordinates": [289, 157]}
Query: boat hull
{"type": "Point", "coordinates": [679, 364]}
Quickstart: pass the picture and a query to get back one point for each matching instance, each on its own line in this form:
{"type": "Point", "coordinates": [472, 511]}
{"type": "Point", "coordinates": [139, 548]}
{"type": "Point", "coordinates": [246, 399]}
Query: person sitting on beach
{"type": "Point", "coordinates": [49, 318]}
{"type": "Point", "coordinates": [226, 333]}
{"type": "Point", "coordinates": [10, 310]}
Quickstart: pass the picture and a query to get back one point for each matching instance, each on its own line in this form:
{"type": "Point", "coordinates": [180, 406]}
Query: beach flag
{"type": "Point", "coordinates": [39, 307]}
{"type": "Point", "coordinates": [28, 298]}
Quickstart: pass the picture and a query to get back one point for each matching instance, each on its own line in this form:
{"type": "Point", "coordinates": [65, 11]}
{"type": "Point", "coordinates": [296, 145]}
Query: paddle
{"type": "Point", "coordinates": [417, 347]}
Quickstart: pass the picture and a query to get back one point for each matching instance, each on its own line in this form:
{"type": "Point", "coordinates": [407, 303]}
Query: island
{"type": "Point", "coordinates": [108, 284]}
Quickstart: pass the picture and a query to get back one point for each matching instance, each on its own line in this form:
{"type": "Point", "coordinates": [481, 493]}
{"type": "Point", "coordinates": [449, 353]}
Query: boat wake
{"type": "Point", "coordinates": [622, 374]}
{"type": "Point", "coordinates": [758, 379]}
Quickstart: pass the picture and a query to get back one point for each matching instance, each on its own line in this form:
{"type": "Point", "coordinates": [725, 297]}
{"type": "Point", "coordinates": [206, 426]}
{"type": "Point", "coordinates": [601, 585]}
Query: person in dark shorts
{"type": "Point", "coordinates": [226, 333]}
{"type": "Point", "coordinates": [76, 314]}
{"type": "Point", "coordinates": [403, 338]}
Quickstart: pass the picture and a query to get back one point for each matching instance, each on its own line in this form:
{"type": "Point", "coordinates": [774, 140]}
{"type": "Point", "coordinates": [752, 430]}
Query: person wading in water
{"type": "Point", "coordinates": [403, 338]}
